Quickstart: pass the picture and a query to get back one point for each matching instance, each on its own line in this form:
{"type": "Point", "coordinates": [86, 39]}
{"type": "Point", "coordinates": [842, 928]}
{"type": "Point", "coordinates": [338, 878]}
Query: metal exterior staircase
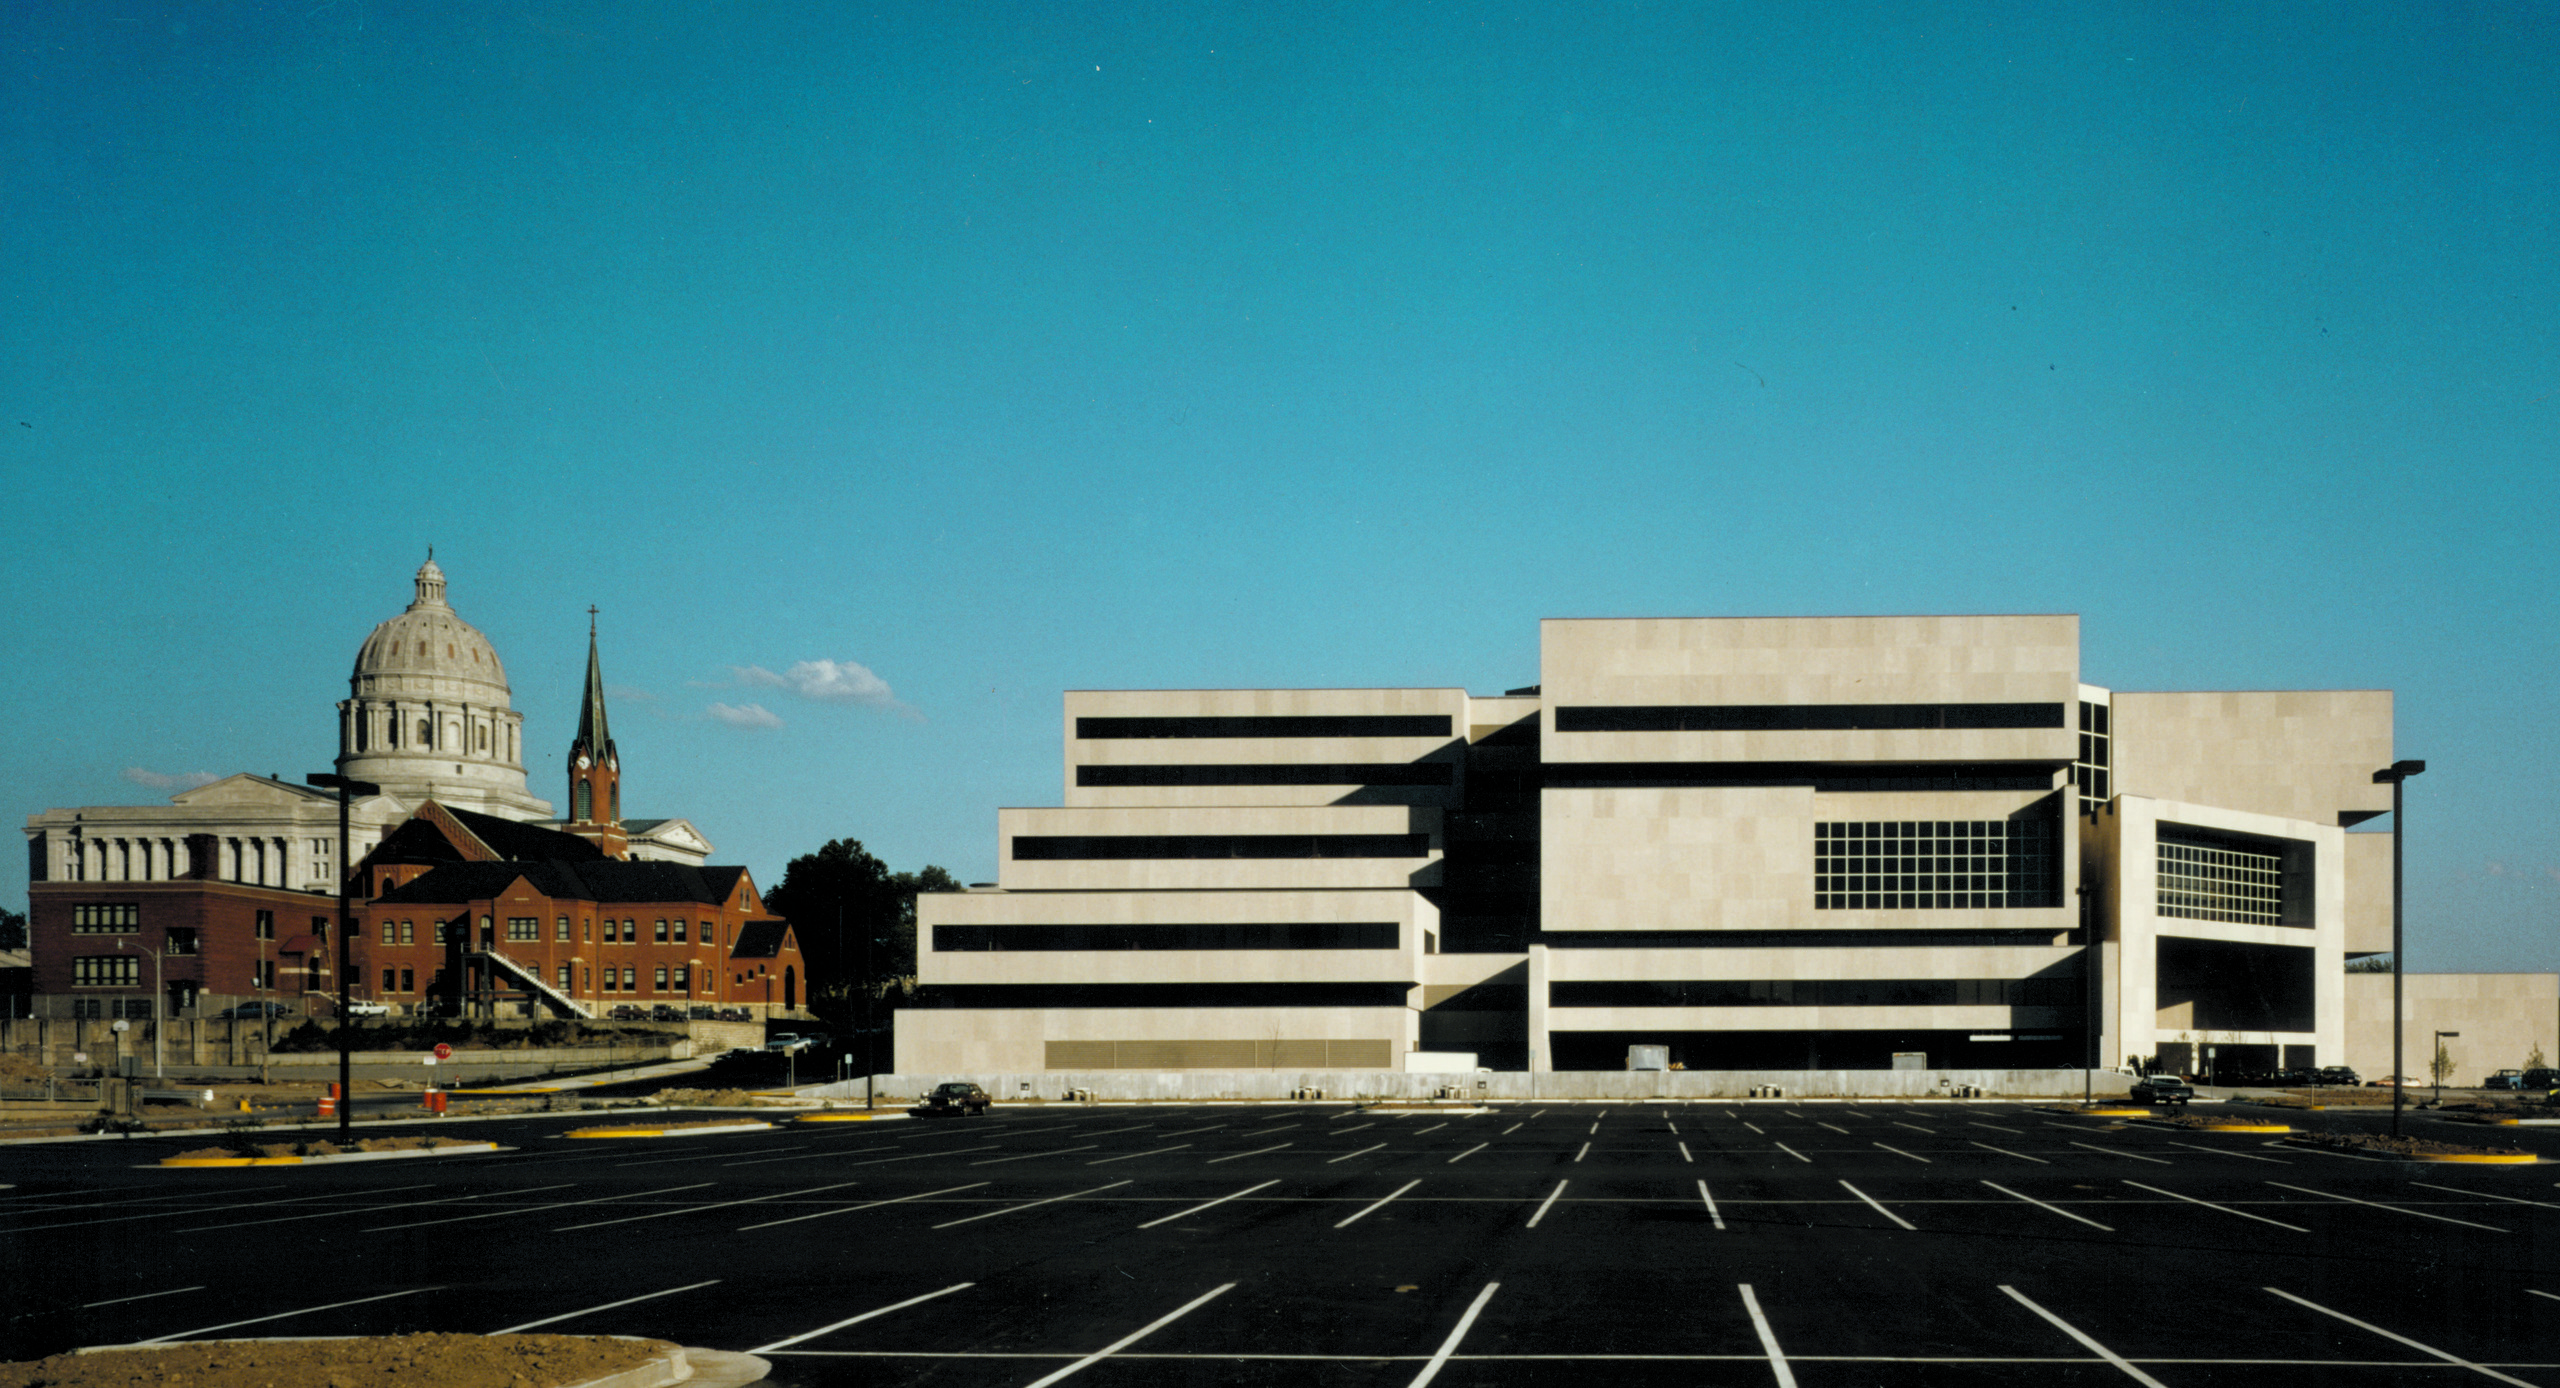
{"type": "Point", "coordinates": [530, 976]}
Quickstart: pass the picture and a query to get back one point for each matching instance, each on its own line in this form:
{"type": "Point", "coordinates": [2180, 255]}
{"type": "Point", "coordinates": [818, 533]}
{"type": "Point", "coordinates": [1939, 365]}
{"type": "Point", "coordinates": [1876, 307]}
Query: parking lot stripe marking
{"type": "Point", "coordinates": [1985, 1146]}
{"type": "Point", "coordinates": [1346, 1113]}
{"type": "Point", "coordinates": [1879, 1209]}
{"type": "Point", "coordinates": [1132, 1156]}
{"type": "Point", "coordinates": [1344, 1224]}
{"type": "Point", "coordinates": [1900, 1153]}
{"type": "Point", "coordinates": [2484, 1195]}
{"type": "Point", "coordinates": [610, 1305]}
{"type": "Point", "coordinates": [752, 1161]}
{"type": "Point", "coordinates": [1286, 1127]}
{"type": "Point", "coordinates": [1349, 1155]}
{"type": "Point", "coordinates": [1544, 1204]}
{"type": "Point", "coordinates": [1673, 1126]}
{"type": "Point", "coordinates": [146, 1296]}
{"type": "Point", "coordinates": [1684, 1154]}
{"type": "Point", "coordinates": [1844, 1132]}
{"type": "Point", "coordinates": [2244, 1214]}
{"type": "Point", "coordinates": [1186, 1132]}
{"type": "Point", "coordinates": [1586, 1151]}
{"type": "Point", "coordinates": [280, 1315]}
{"type": "Point", "coordinates": [2066, 1214]}
{"type": "Point", "coordinates": [104, 1204]}
{"type": "Point", "coordinates": [697, 1209]}
{"type": "Point", "coordinates": [1240, 1156]}
{"type": "Point", "coordinates": [325, 1214]}
{"type": "Point", "coordinates": [1113, 1132]}
{"type": "Point", "coordinates": [1539, 1114]}
{"type": "Point", "coordinates": [1594, 1129]}
{"type": "Point", "coordinates": [2376, 1204]}
{"type": "Point", "coordinates": [2244, 1156]}
{"type": "Point", "coordinates": [857, 1320]}
{"type": "Point", "coordinates": [1009, 1209]}
{"type": "Point", "coordinates": [172, 1214]}
{"type": "Point", "coordinates": [866, 1205]}
{"type": "Point", "coordinates": [1135, 1336]}
{"type": "Point", "coordinates": [920, 1156]}
{"type": "Point", "coordinates": [2545, 1295]}
{"type": "Point", "coordinates": [1352, 1129]}
{"type": "Point", "coordinates": [1799, 1156]}
{"type": "Point", "coordinates": [1755, 1128]}
{"type": "Point", "coordinates": [1712, 1212]}
{"type": "Point", "coordinates": [1026, 1156]}
{"type": "Point", "coordinates": [2403, 1339]}
{"type": "Point", "coordinates": [1419, 1131]}
{"type": "Point", "coordinates": [2086, 1343]}
{"type": "Point", "coordinates": [1998, 1129]}
{"type": "Point", "coordinates": [1462, 1156]}
{"type": "Point", "coordinates": [2115, 1152]}
{"type": "Point", "coordinates": [1450, 1345]}
{"type": "Point", "coordinates": [1248, 1190]}
{"type": "Point", "coordinates": [1912, 1126]}
{"type": "Point", "coordinates": [1768, 1339]}
{"type": "Point", "coordinates": [1510, 1130]}
{"type": "Point", "coordinates": [556, 1205]}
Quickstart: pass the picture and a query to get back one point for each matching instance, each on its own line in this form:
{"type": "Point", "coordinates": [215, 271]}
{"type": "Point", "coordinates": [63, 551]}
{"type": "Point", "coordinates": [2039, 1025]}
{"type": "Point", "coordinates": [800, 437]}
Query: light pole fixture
{"type": "Point", "coordinates": [2435, 1071]}
{"type": "Point", "coordinates": [346, 786]}
{"type": "Point", "coordinates": [156, 990]}
{"type": "Point", "coordinates": [2396, 775]}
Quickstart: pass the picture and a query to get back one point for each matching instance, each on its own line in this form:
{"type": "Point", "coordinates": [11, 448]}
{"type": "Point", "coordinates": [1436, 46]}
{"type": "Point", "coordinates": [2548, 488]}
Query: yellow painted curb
{"type": "Point", "coordinates": [667, 1132]}
{"type": "Point", "coordinates": [843, 1117]}
{"type": "Point", "coordinates": [2479, 1158]}
{"type": "Point", "coordinates": [2245, 1128]}
{"type": "Point", "coordinates": [2114, 1112]}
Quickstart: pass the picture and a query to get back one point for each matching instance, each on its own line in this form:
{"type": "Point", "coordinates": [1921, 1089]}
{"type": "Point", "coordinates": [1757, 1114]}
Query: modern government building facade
{"type": "Point", "coordinates": [1831, 843]}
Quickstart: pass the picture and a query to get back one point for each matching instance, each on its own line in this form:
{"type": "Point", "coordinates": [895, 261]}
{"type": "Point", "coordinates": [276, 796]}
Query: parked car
{"type": "Point", "coordinates": [256, 1009]}
{"type": "Point", "coordinates": [959, 1098]}
{"type": "Point", "coordinates": [785, 1043]}
{"type": "Point", "coordinates": [2541, 1079]}
{"type": "Point", "coordinates": [2162, 1089]}
{"type": "Point", "coordinates": [2504, 1079]}
{"type": "Point", "coordinates": [2335, 1074]}
{"type": "Point", "coordinates": [362, 1008]}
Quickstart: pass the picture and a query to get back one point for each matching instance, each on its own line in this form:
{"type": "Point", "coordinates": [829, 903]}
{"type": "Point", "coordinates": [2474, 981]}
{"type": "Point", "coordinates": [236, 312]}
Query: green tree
{"type": "Point", "coordinates": [2442, 1066]}
{"type": "Point", "coordinates": [2370, 964]}
{"type": "Point", "coordinates": [13, 929]}
{"type": "Point", "coordinates": [2533, 1059]}
{"type": "Point", "coordinates": [856, 922]}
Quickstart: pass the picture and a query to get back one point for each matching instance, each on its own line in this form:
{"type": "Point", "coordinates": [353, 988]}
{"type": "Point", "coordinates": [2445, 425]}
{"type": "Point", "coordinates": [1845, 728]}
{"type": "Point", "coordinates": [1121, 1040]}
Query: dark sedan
{"type": "Point", "coordinates": [958, 1099]}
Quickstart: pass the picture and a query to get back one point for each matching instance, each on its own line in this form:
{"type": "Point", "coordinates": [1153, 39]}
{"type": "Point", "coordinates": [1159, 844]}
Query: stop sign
{"type": "Point", "coordinates": [443, 1051]}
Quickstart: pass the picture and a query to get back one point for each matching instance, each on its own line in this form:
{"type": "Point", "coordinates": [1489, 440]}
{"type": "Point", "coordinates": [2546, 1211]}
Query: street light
{"type": "Point", "coordinates": [346, 786]}
{"type": "Point", "coordinates": [156, 991]}
{"type": "Point", "coordinates": [2438, 1070]}
{"type": "Point", "coordinates": [2395, 775]}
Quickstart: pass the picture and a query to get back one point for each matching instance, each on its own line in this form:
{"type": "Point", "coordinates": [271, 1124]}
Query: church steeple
{"type": "Point", "coordinates": [595, 768]}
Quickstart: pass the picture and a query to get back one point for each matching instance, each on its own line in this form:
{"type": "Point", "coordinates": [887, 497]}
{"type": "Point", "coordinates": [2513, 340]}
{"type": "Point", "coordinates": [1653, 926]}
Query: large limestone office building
{"type": "Point", "coordinates": [1795, 843]}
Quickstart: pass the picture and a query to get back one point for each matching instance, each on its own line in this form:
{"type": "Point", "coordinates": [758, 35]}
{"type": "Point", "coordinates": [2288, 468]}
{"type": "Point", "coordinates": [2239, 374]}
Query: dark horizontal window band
{"type": "Point", "coordinates": [1153, 995]}
{"type": "Point", "coordinates": [1821, 776]}
{"type": "Point", "coordinates": [965, 939]}
{"type": "Point", "coordinates": [1298, 725]}
{"type": "Point", "coordinates": [1829, 992]}
{"type": "Point", "coordinates": [1788, 718]}
{"type": "Point", "coordinates": [1799, 939]}
{"type": "Point", "coordinates": [1411, 773]}
{"type": "Point", "coordinates": [1076, 847]}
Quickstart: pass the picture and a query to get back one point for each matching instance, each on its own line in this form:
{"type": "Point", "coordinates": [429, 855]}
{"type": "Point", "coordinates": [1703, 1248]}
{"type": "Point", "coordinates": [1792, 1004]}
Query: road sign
{"type": "Point", "coordinates": [443, 1051]}
{"type": "Point", "coordinates": [121, 1025]}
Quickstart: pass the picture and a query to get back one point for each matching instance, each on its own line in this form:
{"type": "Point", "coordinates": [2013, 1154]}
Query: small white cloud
{"type": "Point", "coordinates": [189, 780]}
{"type": "Point", "coordinates": [827, 682]}
{"type": "Point", "coordinates": [744, 716]}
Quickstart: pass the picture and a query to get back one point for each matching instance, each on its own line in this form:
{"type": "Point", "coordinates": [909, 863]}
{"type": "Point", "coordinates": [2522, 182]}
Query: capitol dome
{"type": "Point", "coordinates": [428, 716]}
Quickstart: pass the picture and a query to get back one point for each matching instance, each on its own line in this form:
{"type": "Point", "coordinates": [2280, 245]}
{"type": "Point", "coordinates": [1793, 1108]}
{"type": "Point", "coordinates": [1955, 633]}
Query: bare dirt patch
{"type": "Point", "coordinates": [320, 1149]}
{"type": "Point", "coordinates": [2401, 1146]}
{"type": "Point", "coordinates": [704, 1098]}
{"type": "Point", "coordinates": [447, 1361]}
{"type": "Point", "coordinates": [643, 1123]}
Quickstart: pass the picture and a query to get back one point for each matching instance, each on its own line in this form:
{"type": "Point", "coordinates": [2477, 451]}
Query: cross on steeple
{"type": "Point", "coordinates": [591, 619]}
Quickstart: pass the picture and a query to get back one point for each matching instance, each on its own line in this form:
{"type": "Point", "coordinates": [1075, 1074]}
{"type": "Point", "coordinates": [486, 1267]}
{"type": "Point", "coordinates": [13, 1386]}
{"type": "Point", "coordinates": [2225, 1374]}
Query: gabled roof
{"type": "Point", "coordinates": [439, 833]}
{"type": "Point", "coordinates": [518, 842]}
{"type": "Point", "coordinates": [761, 940]}
{"type": "Point", "coordinates": [605, 881]}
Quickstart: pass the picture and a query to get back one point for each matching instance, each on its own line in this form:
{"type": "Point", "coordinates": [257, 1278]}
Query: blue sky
{"type": "Point", "coordinates": [1005, 349]}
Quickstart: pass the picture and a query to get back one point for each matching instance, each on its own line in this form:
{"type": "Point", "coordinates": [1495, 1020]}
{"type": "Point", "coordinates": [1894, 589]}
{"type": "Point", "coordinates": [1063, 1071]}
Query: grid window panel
{"type": "Point", "coordinates": [1906, 865]}
{"type": "Point", "coordinates": [524, 928]}
{"type": "Point", "coordinates": [106, 971]}
{"type": "Point", "coordinates": [105, 918]}
{"type": "Point", "coordinates": [2200, 882]}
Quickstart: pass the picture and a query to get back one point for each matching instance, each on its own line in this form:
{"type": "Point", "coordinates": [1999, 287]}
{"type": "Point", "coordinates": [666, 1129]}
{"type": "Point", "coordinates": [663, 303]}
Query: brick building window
{"type": "Point", "coordinates": [563, 984]}
{"type": "Point", "coordinates": [684, 978]}
{"type": "Point", "coordinates": [390, 980]}
{"type": "Point", "coordinates": [106, 971]}
{"type": "Point", "coordinates": [561, 934]}
{"type": "Point", "coordinates": [408, 980]}
{"type": "Point", "coordinates": [661, 983]}
{"type": "Point", "coordinates": [524, 929]}
{"type": "Point", "coordinates": [662, 930]}
{"type": "Point", "coordinates": [106, 919]}
{"type": "Point", "coordinates": [266, 925]}
{"type": "Point", "coordinates": [679, 932]}
{"type": "Point", "coordinates": [630, 979]}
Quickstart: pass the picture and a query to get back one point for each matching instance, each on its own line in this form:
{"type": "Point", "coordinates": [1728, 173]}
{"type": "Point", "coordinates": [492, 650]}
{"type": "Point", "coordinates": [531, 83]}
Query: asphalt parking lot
{"type": "Point", "coordinates": [1766, 1243]}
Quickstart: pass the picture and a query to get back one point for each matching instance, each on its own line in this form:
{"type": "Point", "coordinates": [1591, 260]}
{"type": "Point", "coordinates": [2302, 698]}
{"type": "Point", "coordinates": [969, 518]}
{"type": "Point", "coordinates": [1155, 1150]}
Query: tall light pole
{"type": "Point", "coordinates": [345, 786]}
{"type": "Point", "coordinates": [156, 991]}
{"type": "Point", "coordinates": [2396, 775]}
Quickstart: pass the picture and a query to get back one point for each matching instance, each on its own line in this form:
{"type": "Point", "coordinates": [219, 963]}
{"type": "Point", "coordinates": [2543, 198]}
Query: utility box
{"type": "Point", "coordinates": [1648, 1057]}
{"type": "Point", "coordinates": [1440, 1062]}
{"type": "Point", "coordinates": [1910, 1060]}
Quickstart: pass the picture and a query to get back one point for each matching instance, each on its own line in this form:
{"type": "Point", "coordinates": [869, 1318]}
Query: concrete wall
{"type": "Point", "coordinates": [1177, 874]}
{"type": "Point", "coordinates": [2306, 754]}
{"type": "Point", "coordinates": [1449, 747]}
{"type": "Point", "coordinates": [1211, 1085]}
{"type": "Point", "coordinates": [2502, 1017]}
{"type": "Point", "coordinates": [1017, 1039]}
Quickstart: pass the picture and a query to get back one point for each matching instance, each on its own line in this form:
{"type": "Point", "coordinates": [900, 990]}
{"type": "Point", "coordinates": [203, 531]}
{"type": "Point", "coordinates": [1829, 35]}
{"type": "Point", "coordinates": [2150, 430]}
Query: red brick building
{"type": "Point", "coordinates": [198, 941]}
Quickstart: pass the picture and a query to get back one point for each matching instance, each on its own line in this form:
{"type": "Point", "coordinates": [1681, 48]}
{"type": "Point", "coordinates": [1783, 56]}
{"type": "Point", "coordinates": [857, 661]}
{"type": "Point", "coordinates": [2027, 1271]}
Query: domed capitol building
{"type": "Point", "coordinates": [427, 714]}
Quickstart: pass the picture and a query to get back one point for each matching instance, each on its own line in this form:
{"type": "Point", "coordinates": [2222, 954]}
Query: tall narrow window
{"type": "Point", "coordinates": [586, 803]}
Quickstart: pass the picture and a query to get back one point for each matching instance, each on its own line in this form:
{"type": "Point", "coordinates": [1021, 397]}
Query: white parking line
{"type": "Point", "coordinates": [2244, 1214]}
{"type": "Point", "coordinates": [1912, 1126]}
{"type": "Point", "coordinates": [536, 1209]}
{"type": "Point", "coordinates": [1544, 1204]}
{"type": "Point", "coordinates": [1344, 1224]}
{"type": "Point", "coordinates": [1248, 1190]}
{"type": "Point", "coordinates": [1594, 1130]}
{"type": "Point", "coordinates": [2544, 1295]}
{"type": "Point", "coordinates": [1799, 1156]}
{"type": "Point", "coordinates": [1186, 1132]}
{"type": "Point", "coordinates": [1352, 1129]}
{"type": "Point", "coordinates": [2403, 1339]}
{"type": "Point", "coordinates": [1349, 1155]}
{"type": "Point", "coordinates": [1134, 1336]}
{"type": "Point", "coordinates": [2086, 1343]}
{"type": "Point", "coordinates": [1512, 1129]}
{"type": "Point", "coordinates": [1985, 1146]}
{"type": "Point", "coordinates": [2219, 1152]}
{"type": "Point", "coordinates": [172, 1214]}
{"type": "Point", "coordinates": [1768, 1339]}
{"type": "Point", "coordinates": [1755, 1127]}
{"type": "Point", "coordinates": [2113, 1152]}
{"type": "Point", "coordinates": [146, 1296]}
{"type": "Point", "coordinates": [2066, 1214]}
{"type": "Point", "coordinates": [1879, 1209]}
{"type": "Point", "coordinates": [1586, 1151]}
{"type": "Point", "coordinates": [753, 1160]}
{"type": "Point", "coordinates": [925, 1156]}
{"type": "Point", "coordinates": [1432, 1129]}
{"type": "Point", "coordinates": [280, 1315]}
{"type": "Point", "coordinates": [857, 1320]}
{"type": "Point", "coordinates": [325, 1214]}
{"type": "Point", "coordinates": [2484, 1195]}
{"type": "Point", "coordinates": [1997, 1128]}
{"type": "Point", "coordinates": [1009, 1209]}
{"type": "Point", "coordinates": [1240, 1156]}
{"type": "Point", "coordinates": [1132, 1156]}
{"type": "Point", "coordinates": [1900, 1153]}
{"type": "Point", "coordinates": [697, 1209]}
{"type": "Point", "coordinates": [1684, 1154]}
{"type": "Point", "coordinates": [1450, 1345]}
{"type": "Point", "coordinates": [2376, 1204]}
{"type": "Point", "coordinates": [866, 1205]}
{"type": "Point", "coordinates": [1668, 1123]}
{"type": "Point", "coordinates": [1462, 1156]}
{"type": "Point", "coordinates": [1266, 1132]}
{"type": "Point", "coordinates": [1712, 1212]}
{"type": "Point", "coordinates": [1052, 1152]}
{"type": "Point", "coordinates": [1844, 1132]}
{"type": "Point", "coordinates": [626, 1301]}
